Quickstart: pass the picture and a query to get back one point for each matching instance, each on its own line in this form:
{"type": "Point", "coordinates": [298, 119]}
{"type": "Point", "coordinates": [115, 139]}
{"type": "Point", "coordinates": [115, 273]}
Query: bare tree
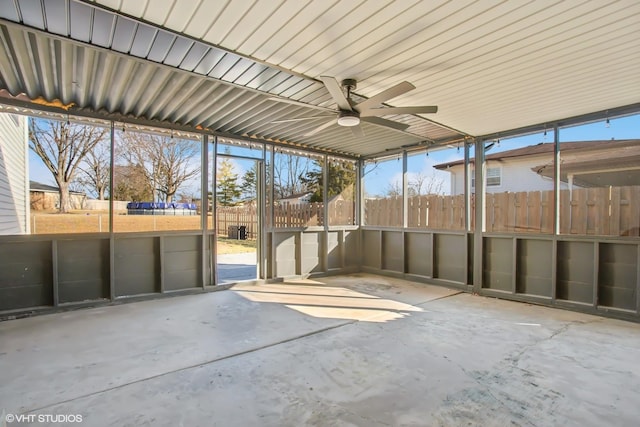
{"type": "Point", "coordinates": [166, 162]}
{"type": "Point", "coordinates": [288, 169]}
{"type": "Point", "coordinates": [96, 169]}
{"type": "Point", "coordinates": [421, 184]}
{"type": "Point", "coordinates": [63, 146]}
{"type": "Point", "coordinates": [394, 189]}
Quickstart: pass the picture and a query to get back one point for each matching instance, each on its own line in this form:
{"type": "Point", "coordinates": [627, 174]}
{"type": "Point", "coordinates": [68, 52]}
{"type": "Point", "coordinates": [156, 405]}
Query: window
{"type": "Point", "coordinates": [524, 203]}
{"type": "Point", "coordinates": [433, 201]}
{"type": "Point", "coordinates": [494, 177]}
{"type": "Point", "coordinates": [157, 180]}
{"type": "Point", "coordinates": [599, 178]}
{"type": "Point", "coordinates": [237, 147]}
{"type": "Point", "coordinates": [341, 190]}
{"type": "Point", "coordinates": [297, 189]}
{"type": "Point", "coordinates": [69, 169]}
{"type": "Point", "coordinates": [383, 192]}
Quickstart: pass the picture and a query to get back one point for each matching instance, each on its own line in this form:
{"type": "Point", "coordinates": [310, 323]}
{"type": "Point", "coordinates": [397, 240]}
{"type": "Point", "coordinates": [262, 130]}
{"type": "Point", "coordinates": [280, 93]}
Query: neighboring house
{"type": "Point", "coordinates": [296, 199]}
{"type": "Point", "coordinates": [47, 197]}
{"type": "Point", "coordinates": [583, 164]}
{"type": "Point", "coordinates": [14, 173]}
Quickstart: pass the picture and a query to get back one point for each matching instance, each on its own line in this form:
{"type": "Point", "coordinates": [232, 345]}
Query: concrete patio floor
{"type": "Point", "coordinates": [357, 350]}
{"type": "Point", "coordinates": [236, 267]}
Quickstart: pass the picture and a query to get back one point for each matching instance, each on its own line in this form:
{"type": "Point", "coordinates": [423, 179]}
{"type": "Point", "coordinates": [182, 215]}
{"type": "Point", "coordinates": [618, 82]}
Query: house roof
{"type": "Point", "coordinates": [297, 195]}
{"type": "Point", "coordinates": [614, 163]}
{"type": "Point", "coordinates": [38, 186]}
{"type": "Point", "coordinates": [216, 66]}
{"type": "Point", "coordinates": [548, 148]}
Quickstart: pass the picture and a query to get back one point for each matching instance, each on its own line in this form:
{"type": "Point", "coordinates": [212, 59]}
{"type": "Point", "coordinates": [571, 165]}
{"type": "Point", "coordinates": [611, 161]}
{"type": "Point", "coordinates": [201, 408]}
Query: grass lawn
{"type": "Point", "coordinates": [233, 246]}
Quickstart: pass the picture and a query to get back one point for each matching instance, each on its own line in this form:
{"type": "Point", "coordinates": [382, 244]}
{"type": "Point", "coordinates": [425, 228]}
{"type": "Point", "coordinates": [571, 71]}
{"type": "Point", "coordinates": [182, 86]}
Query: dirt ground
{"type": "Point", "coordinates": [98, 222]}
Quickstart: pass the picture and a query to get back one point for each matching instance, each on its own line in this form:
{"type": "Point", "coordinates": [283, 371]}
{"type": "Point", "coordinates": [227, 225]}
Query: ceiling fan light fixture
{"type": "Point", "coordinates": [348, 118]}
{"type": "Point", "coordinates": [349, 111]}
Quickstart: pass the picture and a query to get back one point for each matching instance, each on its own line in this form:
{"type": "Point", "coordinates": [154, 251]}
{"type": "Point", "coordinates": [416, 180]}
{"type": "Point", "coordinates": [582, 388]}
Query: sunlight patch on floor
{"type": "Point", "coordinates": [328, 302]}
{"type": "Point", "coordinates": [296, 289]}
{"type": "Point", "coordinates": [360, 314]}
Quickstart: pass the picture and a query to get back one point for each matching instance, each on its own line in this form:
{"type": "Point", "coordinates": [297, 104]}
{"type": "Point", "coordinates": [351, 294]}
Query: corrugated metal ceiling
{"type": "Point", "coordinates": [489, 65]}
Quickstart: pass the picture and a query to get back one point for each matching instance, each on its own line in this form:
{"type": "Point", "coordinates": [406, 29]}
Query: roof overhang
{"type": "Point", "coordinates": [605, 164]}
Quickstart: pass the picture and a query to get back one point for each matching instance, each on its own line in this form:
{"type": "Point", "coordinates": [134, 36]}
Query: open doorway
{"type": "Point", "coordinates": [237, 218]}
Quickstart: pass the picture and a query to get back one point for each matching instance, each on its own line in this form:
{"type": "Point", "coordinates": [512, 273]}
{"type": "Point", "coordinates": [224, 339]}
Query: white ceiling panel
{"type": "Point", "coordinates": [133, 8]}
{"type": "Point", "coordinates": [388, 18]}
{"type": "Point", "coordinates": [205, 16]}
{"type": "Point", "coordinates": [157, 11]}
{"type": "Point", "coordinates": [181, 14]}
{"type": "Point", "coordinates": [228, 19]}
{"type": "Point", "coordinates": [251, 21]}
{"type": "Point", "coordinates": [261, 34]}
{"type": "Point", "coordinates": [268, 49]}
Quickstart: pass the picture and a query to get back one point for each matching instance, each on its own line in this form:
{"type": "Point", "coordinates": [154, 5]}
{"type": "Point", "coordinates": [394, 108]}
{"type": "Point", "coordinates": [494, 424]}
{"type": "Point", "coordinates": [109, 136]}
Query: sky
{"type": "Point", "coordinates": [379, 177]}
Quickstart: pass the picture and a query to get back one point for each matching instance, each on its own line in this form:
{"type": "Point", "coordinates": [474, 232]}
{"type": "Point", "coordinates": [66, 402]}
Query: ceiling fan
{"type": "Point", "coordinates": [350, 113]}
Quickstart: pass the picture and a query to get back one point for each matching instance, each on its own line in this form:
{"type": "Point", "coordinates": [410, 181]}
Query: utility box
{"type": "Point", "coordinates": [238, 232]}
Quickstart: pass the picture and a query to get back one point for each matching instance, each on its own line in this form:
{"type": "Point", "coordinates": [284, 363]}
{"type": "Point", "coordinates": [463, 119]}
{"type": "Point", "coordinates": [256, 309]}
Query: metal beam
{"type": "Point", "coordinates": [479, 216]}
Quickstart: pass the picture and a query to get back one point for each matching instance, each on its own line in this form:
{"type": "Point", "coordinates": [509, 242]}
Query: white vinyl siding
{"type": "Point", "coordinates": [515, 175]}
{"type": "Point", "coordinates": [14, 191]}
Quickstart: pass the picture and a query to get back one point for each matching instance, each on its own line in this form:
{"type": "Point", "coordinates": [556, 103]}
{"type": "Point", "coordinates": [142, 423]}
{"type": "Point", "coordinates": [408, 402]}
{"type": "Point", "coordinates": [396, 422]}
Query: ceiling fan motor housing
{"type": "Point", "coordinates": [349, 84]}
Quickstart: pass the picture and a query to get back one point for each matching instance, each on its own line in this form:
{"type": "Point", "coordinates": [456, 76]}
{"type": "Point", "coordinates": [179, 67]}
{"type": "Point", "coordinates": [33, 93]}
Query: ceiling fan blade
{"type": "Point", "coordinates": [336, 92]}
{"type": "Point", "coordinates": [385, 95]}
{"type": "Point", "coordinates": [300, 119]}
{"type": "Point", "coordinates": [321, 127]}
{"type": "Point", "coordinates": [385, 122]}
{"type": "Point", "coordinates": [357, 131]}
{"type": "Point", "coordinates": [298, 103]}
{"type": "Point", "coordinates": [388, 111]}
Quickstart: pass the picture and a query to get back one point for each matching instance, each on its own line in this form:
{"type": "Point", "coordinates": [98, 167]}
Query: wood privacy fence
{"type": "Point", "coordinates": [521, 212]}
{"type": "Point", "coordinates": [429, 211]}
{"type": "Point", "coordinates": [608, 211]}
{"type": "Point", "coordinates": [298, 215]}
{"type": "Point", "coordinates": [340, 212]}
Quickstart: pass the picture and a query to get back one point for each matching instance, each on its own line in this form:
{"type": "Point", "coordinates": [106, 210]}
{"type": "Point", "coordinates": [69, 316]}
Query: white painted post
{"type": "Point", "coordinates": [570, 184]}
